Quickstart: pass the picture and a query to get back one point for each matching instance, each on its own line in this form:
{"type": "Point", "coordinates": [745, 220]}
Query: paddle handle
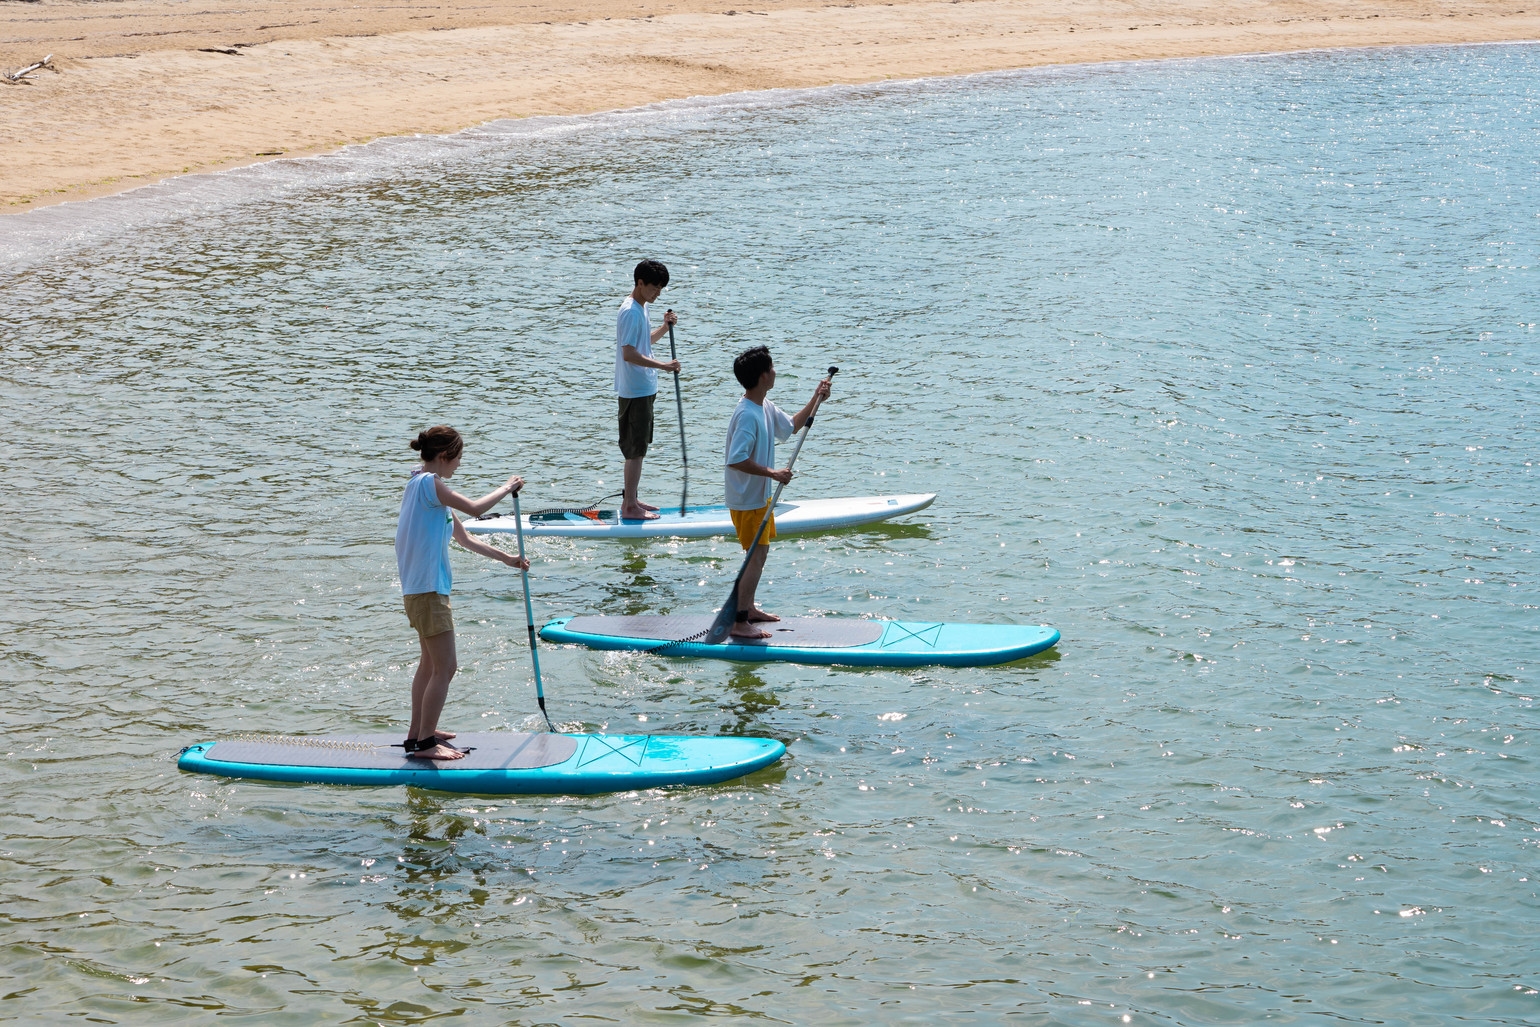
{"type": "Point", "coordinates": [678, 398]}
{"type": "Point", "coordinates": [529, 613]}
{"type": "Point", "coordinates": [679, 407]}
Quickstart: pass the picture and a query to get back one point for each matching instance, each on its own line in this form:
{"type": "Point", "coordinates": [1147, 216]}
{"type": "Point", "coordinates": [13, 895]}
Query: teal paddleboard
{"type": "Point", "coordinates": [500, 763]}
{"type": "Point", "coordinates": [848, 641]}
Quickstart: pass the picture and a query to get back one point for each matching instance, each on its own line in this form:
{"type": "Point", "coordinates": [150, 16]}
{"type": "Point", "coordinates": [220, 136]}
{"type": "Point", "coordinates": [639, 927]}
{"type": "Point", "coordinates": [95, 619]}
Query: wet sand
{"type": "Point", "coordinates": [145, 89]}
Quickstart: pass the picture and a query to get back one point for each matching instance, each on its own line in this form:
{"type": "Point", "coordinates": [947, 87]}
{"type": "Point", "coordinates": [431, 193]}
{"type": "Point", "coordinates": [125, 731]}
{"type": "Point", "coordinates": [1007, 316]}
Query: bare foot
{"type": "Point", "coordinates": [636, 513]}
{"type": "Point", "coordinates": [747, 632]}
{"type": "Point", "coordinates": [438, 752]}
{"type": "Point", "coordinates": [758, 616]}
{"type": "Point", "coordinates": [646, 506]}
{"type": "Point", "coordinates": [443, 736]}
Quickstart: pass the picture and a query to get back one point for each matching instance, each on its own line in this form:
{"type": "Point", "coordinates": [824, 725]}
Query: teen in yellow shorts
{"type": "Point", "coordinates": [755, 427]}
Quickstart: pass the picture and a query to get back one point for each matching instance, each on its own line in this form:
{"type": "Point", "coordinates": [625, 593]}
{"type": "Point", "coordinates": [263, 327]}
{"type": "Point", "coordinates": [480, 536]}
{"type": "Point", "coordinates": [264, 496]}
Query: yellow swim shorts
{"type": "Point", "coordinates": [429, 613]}
{"type": "Point", "coordinates": [747, 523]}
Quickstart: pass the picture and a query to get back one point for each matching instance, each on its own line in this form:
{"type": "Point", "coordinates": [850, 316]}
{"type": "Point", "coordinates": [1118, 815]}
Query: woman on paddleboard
{"type": "Point", "coordinates": [422, 556]}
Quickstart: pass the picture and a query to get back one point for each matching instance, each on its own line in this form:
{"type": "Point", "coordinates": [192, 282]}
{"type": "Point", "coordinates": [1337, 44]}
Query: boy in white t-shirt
{"type": "Point", "coordinates": [750, 468]}
{"type": "Point", "coordinates": [636, 378]}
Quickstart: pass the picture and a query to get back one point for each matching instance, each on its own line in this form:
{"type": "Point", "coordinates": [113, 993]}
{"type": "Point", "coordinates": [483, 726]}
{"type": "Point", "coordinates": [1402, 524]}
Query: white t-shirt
{"type": "Point", "coordinates": [422, 538]}
{"type": "Point", "coordinates": [633, 328]}
{"type": "Point", "coordinates": [751, 435]}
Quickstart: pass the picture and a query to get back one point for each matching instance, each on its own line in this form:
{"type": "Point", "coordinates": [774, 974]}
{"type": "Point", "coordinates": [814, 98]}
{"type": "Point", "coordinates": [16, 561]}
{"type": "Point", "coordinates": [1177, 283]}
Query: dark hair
{"type": "Point", "coordinates": [751, 366]}
{"type": "Point", "coordinates": [438, 441]}
{"type": "Point", "coordinates": [651, 272]}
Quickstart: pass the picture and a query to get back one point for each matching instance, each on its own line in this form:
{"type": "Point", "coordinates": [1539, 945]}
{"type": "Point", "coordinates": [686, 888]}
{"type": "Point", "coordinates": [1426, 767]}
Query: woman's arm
{"type": "Point", "coordinates": [480, 548]}
{"type": "Point", "coordinates": [476, 507]}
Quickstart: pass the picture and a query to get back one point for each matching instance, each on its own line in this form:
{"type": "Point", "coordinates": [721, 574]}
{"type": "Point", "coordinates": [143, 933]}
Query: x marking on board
{"type": "Point", "coordinates": [897, 632]}
{"type": "Point", "coordinates": [607, 746]}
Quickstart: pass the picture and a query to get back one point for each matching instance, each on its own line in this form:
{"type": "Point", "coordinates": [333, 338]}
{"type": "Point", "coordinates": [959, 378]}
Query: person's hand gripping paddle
{"type": "Point", "coordinates": [679, 406]}
{"type": "Point", "coordinates": [723, 625]}
{"type": "Point", "coordinates": [529, 614]}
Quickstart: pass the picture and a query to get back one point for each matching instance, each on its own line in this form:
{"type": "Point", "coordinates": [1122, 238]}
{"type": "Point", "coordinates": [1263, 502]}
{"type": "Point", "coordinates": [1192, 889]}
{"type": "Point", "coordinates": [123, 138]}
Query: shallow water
{"type": "Point", "coordinates": [1224, 368]}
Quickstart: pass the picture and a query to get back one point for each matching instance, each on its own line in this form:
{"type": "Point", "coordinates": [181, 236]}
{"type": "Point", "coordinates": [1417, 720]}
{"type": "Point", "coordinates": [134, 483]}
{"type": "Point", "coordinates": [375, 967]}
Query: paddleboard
{"type": "Point", "coordinates": [791, 518]}
{"type": "Point", "coordinates": [500, 763]}
{"type": "Point", "coordinates": [848, 641]}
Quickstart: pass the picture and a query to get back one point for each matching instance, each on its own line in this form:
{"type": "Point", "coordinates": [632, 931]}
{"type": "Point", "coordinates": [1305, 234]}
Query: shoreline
{"type": "Point", "coordinates": [109, 122]}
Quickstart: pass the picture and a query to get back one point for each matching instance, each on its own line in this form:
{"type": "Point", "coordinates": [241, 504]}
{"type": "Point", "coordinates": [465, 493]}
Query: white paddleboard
{"type": "Point", "coordinates": [791, 518]}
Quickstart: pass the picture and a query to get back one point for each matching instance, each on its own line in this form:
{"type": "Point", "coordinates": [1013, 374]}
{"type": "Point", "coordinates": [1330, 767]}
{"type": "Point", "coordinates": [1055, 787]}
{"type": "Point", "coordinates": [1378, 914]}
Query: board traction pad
{"type": "Point", "coordinates": [793, 632]}
{"type": "Point", "coordinates": [503, 750]}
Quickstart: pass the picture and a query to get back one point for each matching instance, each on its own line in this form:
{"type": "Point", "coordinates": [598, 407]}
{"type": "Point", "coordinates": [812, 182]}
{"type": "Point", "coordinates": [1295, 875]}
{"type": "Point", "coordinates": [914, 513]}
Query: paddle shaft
{"type": "Point", "coordinates": [722, 626]}
{"type": "Point", "coordinates": [529, 614]}
{"type": "Point", "coordinates": [679, 406]}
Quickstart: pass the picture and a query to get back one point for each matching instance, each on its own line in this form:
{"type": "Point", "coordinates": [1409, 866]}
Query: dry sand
{"type": "Point", "coordinates": [138, 95]}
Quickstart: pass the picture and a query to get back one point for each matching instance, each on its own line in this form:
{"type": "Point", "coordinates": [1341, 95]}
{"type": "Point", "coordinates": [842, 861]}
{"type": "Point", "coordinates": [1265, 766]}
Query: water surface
{"type": "Point", "coordinates": [1224, 368]}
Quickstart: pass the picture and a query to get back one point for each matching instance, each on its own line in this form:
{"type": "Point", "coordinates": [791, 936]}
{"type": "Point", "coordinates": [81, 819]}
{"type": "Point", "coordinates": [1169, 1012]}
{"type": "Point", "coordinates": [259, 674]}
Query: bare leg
{"type": "Point", "coordinates": [429, 692]}
{"type": "Point", "coordinates": [419, 687]}
{"type": "Point", "coordinates": [747, 585]}
{"type": "Point", "coordinates": [631, 507]}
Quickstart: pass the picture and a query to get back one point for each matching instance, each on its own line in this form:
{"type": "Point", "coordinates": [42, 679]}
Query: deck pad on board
{"type": "Point", "coordinates": [501, 751]}
{"type": "Point", "coordinates": [797, 632]}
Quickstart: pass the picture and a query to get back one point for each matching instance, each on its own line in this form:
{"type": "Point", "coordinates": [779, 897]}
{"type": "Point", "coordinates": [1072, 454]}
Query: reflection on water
{"type": "Point", "coordinates": [1222, 368]}
{"type": "Point", "coordinates": [632, 591]}
{"type": "Point", "coordinates": [750, 698]}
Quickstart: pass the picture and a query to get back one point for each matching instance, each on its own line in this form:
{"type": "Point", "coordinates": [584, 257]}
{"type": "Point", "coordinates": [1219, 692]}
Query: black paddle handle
{"type": "Point", "coordinates": [832, 372]}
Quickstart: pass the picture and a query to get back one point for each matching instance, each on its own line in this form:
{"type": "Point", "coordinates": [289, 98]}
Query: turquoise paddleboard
{"type": "Point", "coordinates": [501, 763]}
{"type": "Point", "coordinates": [848, 641]}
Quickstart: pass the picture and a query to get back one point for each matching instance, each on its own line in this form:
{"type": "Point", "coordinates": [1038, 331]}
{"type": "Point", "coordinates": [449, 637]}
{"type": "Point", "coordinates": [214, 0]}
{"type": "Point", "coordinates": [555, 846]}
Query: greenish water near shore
{"type": "Point", "coordinates": [1223, 368]}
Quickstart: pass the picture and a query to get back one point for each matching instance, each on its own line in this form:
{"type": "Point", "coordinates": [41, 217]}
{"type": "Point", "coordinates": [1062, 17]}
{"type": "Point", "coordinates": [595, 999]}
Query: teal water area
{"type": "Point", "coordinates": [1226, 369]}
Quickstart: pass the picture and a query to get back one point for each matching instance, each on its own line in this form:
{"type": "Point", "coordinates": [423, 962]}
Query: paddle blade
{"type": "Point", "coordinates": [723, 625]}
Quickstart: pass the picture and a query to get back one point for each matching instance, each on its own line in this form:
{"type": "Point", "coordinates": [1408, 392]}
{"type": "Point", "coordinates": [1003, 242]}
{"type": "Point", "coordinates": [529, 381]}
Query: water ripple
{"type": "Point", "coordinates": [1224, 368]}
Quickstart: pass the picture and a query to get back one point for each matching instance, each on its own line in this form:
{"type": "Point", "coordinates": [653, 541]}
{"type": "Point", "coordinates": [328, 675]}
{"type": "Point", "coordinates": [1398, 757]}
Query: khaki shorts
{"type": "Point", "coordinates": [429, 613]}
{"type": "Point", "coordinates": [635, 426]}
{"type": "Point", "coordinates": [747, 523]}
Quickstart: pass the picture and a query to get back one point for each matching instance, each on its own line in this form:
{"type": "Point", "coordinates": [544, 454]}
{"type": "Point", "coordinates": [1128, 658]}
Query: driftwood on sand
{"type": "Point", "coordinates": [16, 76]}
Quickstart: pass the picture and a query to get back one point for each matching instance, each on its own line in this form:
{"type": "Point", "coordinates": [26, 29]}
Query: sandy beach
{"type": "Point", "coordinates": [145, 89]}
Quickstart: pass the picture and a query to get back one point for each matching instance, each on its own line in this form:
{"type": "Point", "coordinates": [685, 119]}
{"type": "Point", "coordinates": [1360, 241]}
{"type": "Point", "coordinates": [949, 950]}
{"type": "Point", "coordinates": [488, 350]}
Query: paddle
{"type": "Point", "coordinates": [723, 625]}
{"type": "Point", "coordinates": [529, 613]}
{"type": "Point", "coordinates": [679, 405]}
